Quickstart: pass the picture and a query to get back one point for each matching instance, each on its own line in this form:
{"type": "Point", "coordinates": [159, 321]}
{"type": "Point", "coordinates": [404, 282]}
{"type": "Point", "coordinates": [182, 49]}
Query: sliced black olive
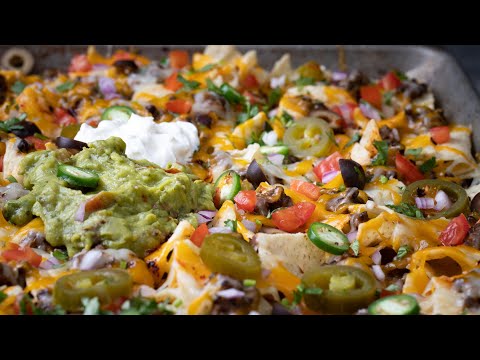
{"type": "Point", "coordinates": [67, 143]}
{"type": "Point", "coordinates": [153, 110]}
{"type": "Point", "coordinates": [255, 174]}
{"type": "Point", "coordinates": [18, 59]}
{"type": "Point", "coordinates": [125, 66]}
{"type": "Point", "coordinates": [279, 309]}
{"type": "Point", "coordinates": [24, 146]}
{"type": "Point", "coordinates": [204, 119]}
{"type": "Point", "coordinates": [475, 204]}
{"type": "Point", "coordinates": [27, 129]}
{"type": "Point", "coordinates": [352, 173]}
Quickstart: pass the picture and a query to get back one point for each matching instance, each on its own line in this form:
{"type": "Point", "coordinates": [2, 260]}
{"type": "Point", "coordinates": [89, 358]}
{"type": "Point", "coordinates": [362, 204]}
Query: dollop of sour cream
{"type": "Point", "coordinates": [162, 143]}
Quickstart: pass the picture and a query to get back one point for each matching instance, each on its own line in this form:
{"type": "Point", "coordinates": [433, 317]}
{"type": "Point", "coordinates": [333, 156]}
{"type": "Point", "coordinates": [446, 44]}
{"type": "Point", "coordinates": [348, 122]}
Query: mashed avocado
{"type": "Point", "coordinates": [140, 204]}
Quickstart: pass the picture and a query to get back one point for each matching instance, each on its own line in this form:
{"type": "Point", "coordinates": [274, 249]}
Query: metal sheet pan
{"type": "Point", "coordinates": [451, 86]}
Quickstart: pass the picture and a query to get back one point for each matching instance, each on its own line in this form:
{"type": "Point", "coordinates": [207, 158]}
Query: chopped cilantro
{"type": "Point", "coordinates": [66, 86]}
{"type": "Point", "coordinates": [303, 81]}
{"type": "Point", "coordinates": [60, 255]}
{"type": "Point", "coordinates": [402, 251]}
{"type": "Point", "coordinates": [228, 92]}
{"type": "Point", "coordinates": [3, 296]}
{"type": "Point", "coordinates": [383, 179]}
{"type": "Point", "coordinates": [11, 178]}
{"type": "Point", "coordinates": [407, 209]}
{"type": "Point", "coordinates": [401, 75]}
{"type": "Point", "coordinates": [273, 98]}
{"type": "Point", "coordinates": [143, 306]}
{"type": "Point", "coordinates": [342, 188]}
{"type": "Point", "coordinates": [12, 124]}
{"type": "Point", "coordinates": [232, 224]}
{"type": "Point", "coordinates": [387, 97]}
{"type": "Point", "coordinates": [355, 246]}
{"type": "Point", "coordinates": [332, 137]}
{"type": "Point", "coordinates": [123, 264]}
{"type": "Point", "coordinates": [286, 119]}
{"type": "Point", "coordinates": [188, 85]}
{"type": "Point", "coordinates": [381, 158]}
{"type": "Point", "coordinates": [258, 222]}
{"type": "Point", "coordinates": [355, 138]}
{"type": "Point", "coordinates": [18, 87]}
{"type": "Point", "coordinates": [206, 68]}
{"type": "Point", "coordinates": [40, 136]}
{"type": "Point", "coordinates": [165, 61]}
{"type": "Point", "coordinates": [177, 303]}
{"type": "Point", "coordinates": [414, 152]}
{"type": "Point", "coordinates": [428, 165]}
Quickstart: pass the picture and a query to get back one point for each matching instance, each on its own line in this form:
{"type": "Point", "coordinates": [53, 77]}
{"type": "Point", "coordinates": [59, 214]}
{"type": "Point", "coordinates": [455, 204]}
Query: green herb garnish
{"type": "Point", "coordinates": [402, 251]}
{"type": "Point", "coordinates": [188, 85]}
{"type": "Point", "coordinates": [428, 165]}
{"type": "Point", "coordinates": [408, 210]}
{"type": "Point", "coordinates": [355, 246]}
{"type": "Point", "coordinates": [232, 224]}
{"type": "Point", "coordinates": [249, 282]}
{"type": "Point", "coordinates": [381, 158]}
{"type": "Point", "coordinates": [60, 255]}
{"type": "Point", "coordinates": [355, 138]}
{"type": "Point", "coordinates": [66, 86]}
{"type": "Point", "coordinates": [18, 87]}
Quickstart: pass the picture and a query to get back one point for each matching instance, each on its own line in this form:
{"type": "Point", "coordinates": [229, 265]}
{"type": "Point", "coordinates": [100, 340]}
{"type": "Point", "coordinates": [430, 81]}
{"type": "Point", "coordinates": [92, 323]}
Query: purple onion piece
{"type": "Point", "coordinates": [369, 111]}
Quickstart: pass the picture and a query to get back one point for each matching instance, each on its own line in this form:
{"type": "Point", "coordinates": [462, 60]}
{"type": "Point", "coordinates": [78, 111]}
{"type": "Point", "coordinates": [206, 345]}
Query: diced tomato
{"type": "Point", "coordinates": [63, 117]}
{"type": "Point", "coordinates": [1, 162]}
{"type": "Point", "coordinates": [408, 170]}
{"type": "Point", "coordinates": [80, 63]}
{"type": "Point", "coordinates": [37, 143]}
{"type": "Point", "coordinates": [456, 232]}
{"type": "Point", "coordinates": [304, 187]}
{"type": "Point", "coordinates": [250, 82]}
{"type": "Point", "coordinates": [246, 200]}
{"type": "Point", "coordinates": [178, 59]}
{"type": "Point", "coordinates": [390, 81]}
{"type": "Point", "coordinates": [372, 94]}
{"type": "Point", "coordinates": [328, 165]}
{"type": "Point", "coordinates": [199, 235]}
{"type": "Point", "coordinates": [179, 106]}
{"type": "Point", "coordinates": [172, 83]}
{"type": "Point", "coordinates": [116, 304]}
{"type": "Point", "coordinates": [23, 254]}
{"type": "Point", "coordinates": [291, 218]}
{"type": "Point", "coordinates": [346, 112]}
{"type": "Point", "coordinates": [440, 134]}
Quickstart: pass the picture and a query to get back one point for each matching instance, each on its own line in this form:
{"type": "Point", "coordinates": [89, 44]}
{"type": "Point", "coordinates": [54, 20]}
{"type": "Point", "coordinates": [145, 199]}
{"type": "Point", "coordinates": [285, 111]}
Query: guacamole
{"type": "Point", "coordinates": [135, 206]}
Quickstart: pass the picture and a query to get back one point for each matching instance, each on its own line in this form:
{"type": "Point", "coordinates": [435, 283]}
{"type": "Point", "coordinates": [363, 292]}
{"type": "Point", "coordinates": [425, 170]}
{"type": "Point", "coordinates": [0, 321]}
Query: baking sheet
{"type": "Point", "coordinates": [451, 86]}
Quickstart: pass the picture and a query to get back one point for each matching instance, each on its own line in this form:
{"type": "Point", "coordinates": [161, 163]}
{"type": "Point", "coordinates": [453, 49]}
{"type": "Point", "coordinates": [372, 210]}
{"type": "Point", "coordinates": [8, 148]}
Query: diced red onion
{"type": "Point", "coordinates": [424, 202]}
{"type": "Point", "coordinates": [339, 76]}
{"type": "Point", "coordinates": [369, 111]}
{"type": "Point", "coordinates": [276, 159]}
{"type": "Point", "coordinates": [99, 66]}
{"type": "Point", "coordinates": [277, 81]}
{"type": "Point", "coordinates": [220, 230]}
{"type": "Point", "coordinates": [12, 191]}
{"type": "Point", "coordinates": [91, 260]}
{"type": "Point", "coordinates": [266, 273]}
{"type": "Point", "coordinates": [442, 200]}
{"type": "Point", "coordinates": [352, 236]}
{"type": "Point", "coordinates": [80, 214]}
{"type": "Point", "coordinates": [107, 87]}
{"type": "Point", "coordinates": [346, 113]}
{"type": "Point", "coordinates": [205, 216]}
{"type": "Point", "coordinates": [250, 225]}
{"type": "Point", "coordinates": [378, 272]}
{"type": "Point", "coordinates": [272, 113]}
{"type": "Point", "coordinates": [377, 258]}
{"type": "Point", "coordinates": [231, 294]}
{"type": "Point", "coordinates": [328, 176]}
{"type": "Point", "coordinates": [46, 265]}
